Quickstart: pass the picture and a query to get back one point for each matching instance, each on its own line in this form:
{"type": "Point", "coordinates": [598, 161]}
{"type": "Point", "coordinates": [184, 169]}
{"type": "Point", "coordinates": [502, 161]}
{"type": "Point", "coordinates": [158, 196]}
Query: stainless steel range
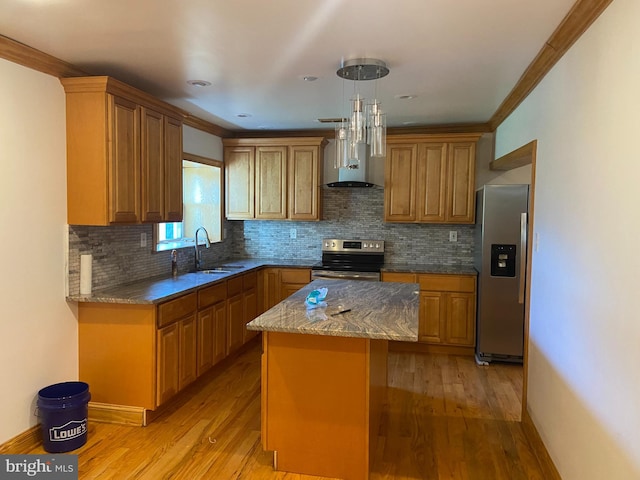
{"type": "Point", "coordinates": [350, 260]}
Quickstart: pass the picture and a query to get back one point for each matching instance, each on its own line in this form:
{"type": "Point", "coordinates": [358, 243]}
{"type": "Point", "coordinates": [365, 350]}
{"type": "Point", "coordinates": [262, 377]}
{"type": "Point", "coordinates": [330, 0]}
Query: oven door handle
{"type": "Point", "coordinates": [344, 276]}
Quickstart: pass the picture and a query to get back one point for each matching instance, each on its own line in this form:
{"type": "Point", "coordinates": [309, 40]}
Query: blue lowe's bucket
{"type": "Point", "coordinates": [63, 415]}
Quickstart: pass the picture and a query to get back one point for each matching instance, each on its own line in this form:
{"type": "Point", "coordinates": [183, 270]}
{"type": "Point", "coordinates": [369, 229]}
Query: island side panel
{"type": "Point", "coordinates": [316, 404]}
{"type": "Point", "coordinates": [116, 345]}
{"type": "Point", "coordinates": [377, 373]}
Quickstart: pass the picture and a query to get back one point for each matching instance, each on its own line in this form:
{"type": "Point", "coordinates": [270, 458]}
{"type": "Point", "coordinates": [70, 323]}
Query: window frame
{"type": "Point", "coordinates": [188, 242]}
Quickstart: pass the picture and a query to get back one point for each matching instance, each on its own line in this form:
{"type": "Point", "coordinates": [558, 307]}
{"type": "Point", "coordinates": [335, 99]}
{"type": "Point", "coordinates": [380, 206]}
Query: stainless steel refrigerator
{"type": "Point", "coordinates": [500, 258]}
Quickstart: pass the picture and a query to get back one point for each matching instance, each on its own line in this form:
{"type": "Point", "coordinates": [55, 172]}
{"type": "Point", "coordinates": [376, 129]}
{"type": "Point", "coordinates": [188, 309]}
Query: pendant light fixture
{"type": "Point", "coordinates": [366, 123]}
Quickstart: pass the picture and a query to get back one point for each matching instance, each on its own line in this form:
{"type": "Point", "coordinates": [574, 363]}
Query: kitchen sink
{"type": "Point", "coordinates": [227, 267]}
{"type": "Point", "coordinates": [214, 271]}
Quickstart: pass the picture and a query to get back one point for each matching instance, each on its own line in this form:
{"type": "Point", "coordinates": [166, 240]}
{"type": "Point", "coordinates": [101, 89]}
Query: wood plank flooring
{"type": "Point", "coordinates": [446, 419]}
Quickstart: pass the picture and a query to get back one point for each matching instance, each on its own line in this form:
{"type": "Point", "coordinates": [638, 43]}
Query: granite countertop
{"type": "Point", "coordinates": [455, 269]}
{"type": "Point", "coordinates": [160, 289]}
{"type": "Point", "coordinates": [379, 310]}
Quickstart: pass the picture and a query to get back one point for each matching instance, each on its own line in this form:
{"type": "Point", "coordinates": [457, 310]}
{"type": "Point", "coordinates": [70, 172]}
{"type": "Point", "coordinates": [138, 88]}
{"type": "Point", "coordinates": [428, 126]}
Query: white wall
{"type": "Point", "coordinates": [201, 143]}
{"type": "Point", "coordinates": [38, 329]}
{"type": "Point", "coordinates": [486, 176]}
{"type": "Point", "coordinates": [584, 383]}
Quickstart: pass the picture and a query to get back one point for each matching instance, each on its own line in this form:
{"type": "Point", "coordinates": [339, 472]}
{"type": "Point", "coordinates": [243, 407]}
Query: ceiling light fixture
{"type": "Point", "coordinates": [366, 123]}
{"type": "Point", "coordinates": [198, 83]}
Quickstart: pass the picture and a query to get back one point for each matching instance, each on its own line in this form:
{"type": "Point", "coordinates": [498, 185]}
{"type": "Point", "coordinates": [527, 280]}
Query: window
{"type": "Point", "coordinates": [202, 205]}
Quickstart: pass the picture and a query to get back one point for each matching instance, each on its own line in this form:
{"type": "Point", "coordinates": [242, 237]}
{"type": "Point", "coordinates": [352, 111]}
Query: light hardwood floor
{"type": "Point", "coordinates": [446, 419]}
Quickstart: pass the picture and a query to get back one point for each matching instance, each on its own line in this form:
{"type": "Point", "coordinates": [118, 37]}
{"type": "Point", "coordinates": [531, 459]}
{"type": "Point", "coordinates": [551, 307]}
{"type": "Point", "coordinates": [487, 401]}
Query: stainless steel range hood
{"type": "Point", "coordinates": [370, 172]}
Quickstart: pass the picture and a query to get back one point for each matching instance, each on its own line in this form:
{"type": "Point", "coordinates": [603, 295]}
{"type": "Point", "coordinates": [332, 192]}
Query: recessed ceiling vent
{"type": "Point", "coordinates": [332, 120]}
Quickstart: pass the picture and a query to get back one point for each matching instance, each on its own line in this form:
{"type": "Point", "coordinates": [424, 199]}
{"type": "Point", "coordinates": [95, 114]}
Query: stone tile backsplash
{"type": "Point", "coordinates": [347, 213]}
{"type": "Point", "coordinates": [355, 213]}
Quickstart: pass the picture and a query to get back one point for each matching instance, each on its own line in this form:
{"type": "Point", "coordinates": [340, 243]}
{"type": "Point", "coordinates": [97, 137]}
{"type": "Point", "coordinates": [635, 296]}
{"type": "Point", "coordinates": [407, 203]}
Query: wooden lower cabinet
{"type": "Point", "coordinates": [212, 326]}
{"type": "Point", "coordinates": [249, 304]}
{"type": "Point", "coordinates": [219, 332]}
{"type": "Point", "coordinates": [168, 369]}
{"type": "Point", "coordinates": [280, 283]}
{"type": "Point", "coordinates": [176, 358]}
{"type": "Point", "coordinates": [142, 355]}
{"type": "Point", "coordinates": [235, 315]}
{"type": "Point", "coordinates": [447, 307]}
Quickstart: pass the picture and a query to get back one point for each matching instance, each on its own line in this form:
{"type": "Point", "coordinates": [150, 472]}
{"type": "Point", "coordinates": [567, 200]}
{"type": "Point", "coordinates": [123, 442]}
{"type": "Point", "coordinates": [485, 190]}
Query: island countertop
{"type": "Point", "coordinates": [378, 310]}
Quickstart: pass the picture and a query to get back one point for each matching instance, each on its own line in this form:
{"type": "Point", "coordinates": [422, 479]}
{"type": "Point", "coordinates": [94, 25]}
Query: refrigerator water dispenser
{"type": "Point", "coordinates": [503, 260]}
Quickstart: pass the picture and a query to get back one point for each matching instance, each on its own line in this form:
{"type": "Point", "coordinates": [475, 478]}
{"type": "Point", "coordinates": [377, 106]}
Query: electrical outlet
{"type": "Point", "coordinates": [453, 236]}
{"type": "Point", "coordinates": [293, 233]}
{"type": "Point", "coordinates": [143, 239]}
{"type": "Point", "coordinates": [536, 244]}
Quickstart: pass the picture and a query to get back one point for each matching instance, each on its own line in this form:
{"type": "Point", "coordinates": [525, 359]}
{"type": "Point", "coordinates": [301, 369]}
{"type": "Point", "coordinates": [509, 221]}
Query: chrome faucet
{"type": "Point", "coordinates": [207, 244]}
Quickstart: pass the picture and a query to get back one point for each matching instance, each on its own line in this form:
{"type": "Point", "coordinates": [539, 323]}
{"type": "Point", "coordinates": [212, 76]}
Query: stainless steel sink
{"type": "Point", "coordinates": [227, 267]}
{"type": "Point", "coordinates": [214, 271]}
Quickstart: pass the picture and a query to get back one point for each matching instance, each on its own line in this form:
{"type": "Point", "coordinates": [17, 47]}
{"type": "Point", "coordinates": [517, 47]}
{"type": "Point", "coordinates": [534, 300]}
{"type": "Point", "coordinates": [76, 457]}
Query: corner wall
{"type": "Point", "coordinates": [38, 329]}
{"type": "Point", "coordinates": [584, 336]}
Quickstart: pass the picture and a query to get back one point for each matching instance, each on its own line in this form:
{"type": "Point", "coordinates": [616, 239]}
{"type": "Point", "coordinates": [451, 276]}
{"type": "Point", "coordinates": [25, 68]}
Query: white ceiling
{"type": "Point", "coordinates": [460, 58]}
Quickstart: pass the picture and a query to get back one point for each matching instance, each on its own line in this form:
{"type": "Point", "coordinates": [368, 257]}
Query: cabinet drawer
{"type": "Point", "coordinates": [249, 280]}
{"type": "Point", "coordinates": [213, 294]}
{"type": "Point", "coordinates": [173, 310]}
{"type": "Point", "coordinates": [399, 277]}
{"type": "Point", "coordinates": [234, 286]}
{"type": "Point", "coordinates": [447, 283]}
{"type": "Point", "coordinates": [295, 275]}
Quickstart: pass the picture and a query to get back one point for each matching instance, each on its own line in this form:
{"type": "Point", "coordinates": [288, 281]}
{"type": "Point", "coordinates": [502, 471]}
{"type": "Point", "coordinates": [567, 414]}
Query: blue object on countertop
{"type": "Point", "coordinates": [316, 298]}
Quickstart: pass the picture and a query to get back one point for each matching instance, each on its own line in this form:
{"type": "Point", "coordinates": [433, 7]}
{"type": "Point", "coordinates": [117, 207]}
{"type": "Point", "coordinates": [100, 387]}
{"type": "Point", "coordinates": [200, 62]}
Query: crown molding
{"type": "Point", "coordinates": [575, 23]}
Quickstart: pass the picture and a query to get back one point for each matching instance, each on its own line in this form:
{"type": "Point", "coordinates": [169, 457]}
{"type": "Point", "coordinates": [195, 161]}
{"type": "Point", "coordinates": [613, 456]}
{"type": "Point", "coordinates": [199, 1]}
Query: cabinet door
{"type": "Point", "coordinates": [461, 168]}
{"type": "Point", "coordinates": [188, 351]}
{"type": "Point", "coordinates": [168, 357]}
{"type": "Point", "coordinates": [399, 277]}
{"type": "Point", "coordinates": [239, 182]}
{"type": "Point", "coordinates": [303, 185]}
{"type": "Point", "coordinates": [172, 170]}
{"type": "Point", "coordinates": [460, 318]}
{"type": "Point", "coordinates": [431, 317]}
{"type": "Point", "coordinates": [220, 332]}
{"type": "Point", "coordinates": [271, 288]}
{"type": "Point", "coordinates": [250, 299]}
{"type": "Point", "coordinates": [152, 161]}
{"type": "Point", "coordinates": [206, 338]}
{"type": "Point", "coordinates": [400, 184]}
{"type": "Point", "coordinates": [235, 323]}
{"type": "Point", "coordinates": [124, 161]}
{"type": "Point", "coordinates": [271, 182]}
{"type": "Point", "coordinates": [431, 185]}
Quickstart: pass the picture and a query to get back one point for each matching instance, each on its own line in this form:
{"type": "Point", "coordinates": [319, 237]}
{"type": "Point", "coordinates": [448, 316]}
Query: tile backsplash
{"type": "Point", "coordinates": [347, 213]}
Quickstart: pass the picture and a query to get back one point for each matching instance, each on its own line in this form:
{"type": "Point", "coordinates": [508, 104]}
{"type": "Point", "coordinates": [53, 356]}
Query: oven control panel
{"type": "Point", "coordinates": [352, 246]}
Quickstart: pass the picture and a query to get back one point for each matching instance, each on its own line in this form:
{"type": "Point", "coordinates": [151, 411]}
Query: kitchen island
{"type": "Point", "coordinates": [324, 374]}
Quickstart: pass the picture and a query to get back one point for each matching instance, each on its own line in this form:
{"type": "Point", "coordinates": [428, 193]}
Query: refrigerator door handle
{"type": "Point", "coordinates": [523, 255]}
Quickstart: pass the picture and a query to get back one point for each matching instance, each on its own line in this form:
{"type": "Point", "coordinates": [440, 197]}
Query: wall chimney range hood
{"type": "Point", "coordinates": [368, 174]}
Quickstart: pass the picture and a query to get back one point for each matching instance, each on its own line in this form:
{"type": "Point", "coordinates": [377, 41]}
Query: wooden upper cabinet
{"type": "Point", "coordinates": [461, 183]}
{"type": "Point", "coordinates": [273, 178]}
{"type": "Point", "coordinates": [304, 181]}
{"type": "Point", "coordinates": [431, 182]}
{"type": "Point", "coordinates": [400, 183]}
{"type": "Point", "coordinates": [173, 198]}
{"type": "Point", "coordinates": [152, 160]}
{"type": "Point", "coordinates": [430, 178]}
{"type": "Point", "coordinates": [239, 162]}
{"type": "Point", "coordinates": [271, 183]}
{"type": "Point", "coordinates": [124, 161]}
{"type": "Point", "coordinates": [118, 139]}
